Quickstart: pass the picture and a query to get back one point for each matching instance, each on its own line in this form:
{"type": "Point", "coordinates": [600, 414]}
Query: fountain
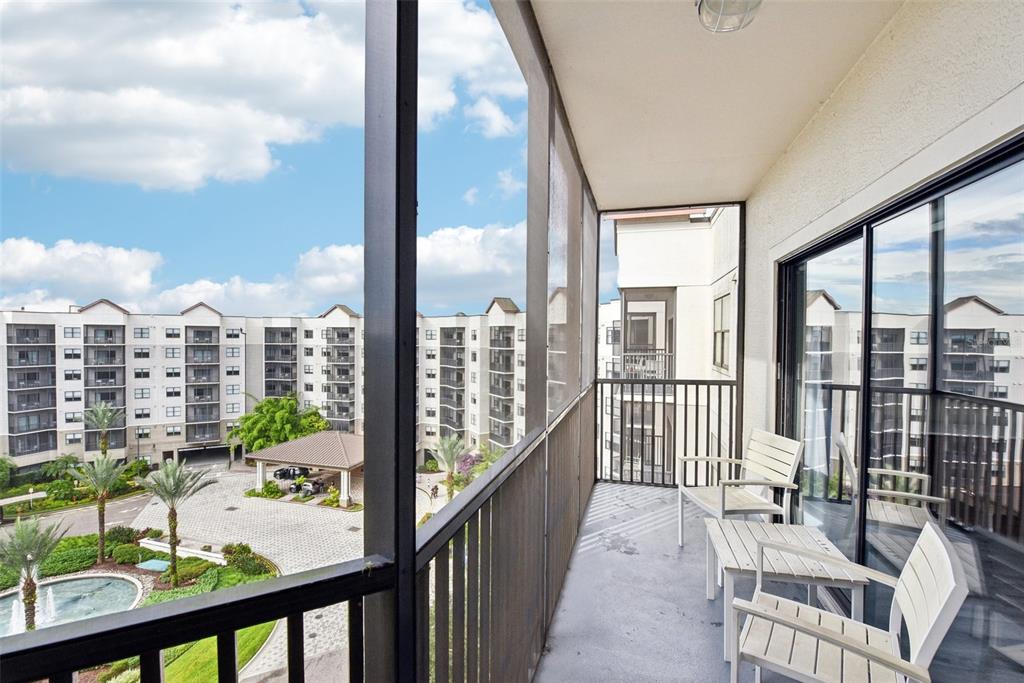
{"type": "Point", "coordinates": [50, 607]}
{"type": "Point", "coordinates": [17, 624]}
{"type": "Point", "coordinates": [63, 600]}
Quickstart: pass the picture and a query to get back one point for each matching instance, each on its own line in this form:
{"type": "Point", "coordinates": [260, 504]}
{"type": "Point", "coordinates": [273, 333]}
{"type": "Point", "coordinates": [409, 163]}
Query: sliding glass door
{"type": "Point", "coordinates": [929, 399]}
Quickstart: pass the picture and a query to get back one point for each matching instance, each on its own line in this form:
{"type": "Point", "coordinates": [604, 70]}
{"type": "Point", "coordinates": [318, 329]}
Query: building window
{"type": "Point", "coordinates": [172, 352]}
{"type": "Point", "coordinates": [233, 408]}
{"type": "Point", "coordinates": [521, 410]}
{"type": "Point", "coordinates": [918, 338]}
{"type": "Point", "coordinates": [431, 412]}
{"type": "Point", "coordinates": [308, 351]}
{"type": "Point", "coordinates": [141, 413]}
{"type": "Point", "coordinates": [472, 399]}
{"type": "Point", "coordinates": [71, 375]}
{"type": "Point", "coordinates": [472, 356]}
{"type": "Point", "coordinates": [309, 387]}
{"type": "Point", "coordinates": [232, 370]}
{"type": "Point", "coordinates": [142, 432]}
{"type": "Point", "coordinates": [142, 393]}
{"type": "Point", "coordinates": [173, 411]}
{"type": "Point", "coordinates": [72, 395]}
{"type": "Point", "coordinates": [141, 333]}
{"type": "Point", "coordinates": [72, 333]}
{"type": "Point", "coordinates": [918, 363]}
{"type": "Point", "coordinates": [233, 333]}
{"type": "Point", "coordinates": [73, 437]}
{"type": "Point", "coordinates": [613, 335]}
{"type": "Point", "coordinates": [429, 431]}
{"type": "Point", "coordinates": [472, 335]}
{"type": "Point", "coordinates": [999, 392]}
{"type": "Point", "coordinates": [173, 392]}
{"type": "Point", "coordinates": [431, 393]}
{"type": "Point", "coordinates": [307, 334]}
{"type": "Point", "coordinates": [521, 334]}
{"type": "Point", "coordinates": [521, 385]}
{"type": "Point", "coordinates": [141, 373]}
{"type": "Point", "coordinates": [430, 334]}
{"type": "Point", "coordinates": [723, 310]}
{"type": "Point", "coordinates": [307, 369]}
{"type": "Point", "coordinates": [173, 372]}
{"type": "Point", "coordinates": [472, 418]}
{"type": "Point", "coordinates": [431, 354]}
{"type": "Point", "coordinates": [431, 374]}
{"type": "Point", "coordinates": [1000, 338]}
{"type": "Point", "coordinates": [1001, 366]}
{"type": "Point", "coordinates": [472, 377]}
{"type": "Point", "coordinates": [173, 431]}
{"type": "Point", "coordinates": [141, 353]}
{"type": "Point", "coordinates": [74, 353]}
{"type": "Point", "coordinates": [73, 417]}
{"type": "Point", "coordinates": [232, 389]}
{"type": "Point", "coordinates": [233, 352]}
{"type": "Point", "coordinates": [172, 332]}
{"type": "Point", "coordinates": [521, 360]}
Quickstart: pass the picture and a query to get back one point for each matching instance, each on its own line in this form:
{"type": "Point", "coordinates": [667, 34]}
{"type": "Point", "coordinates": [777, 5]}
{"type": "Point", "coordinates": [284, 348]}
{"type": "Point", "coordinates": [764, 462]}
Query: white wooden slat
{"type": "Point", "coordinates": [774, 563]}
{"type": "Point", "coordinates": [829, 666]}
{"type": "Point", "coordinates": [726, 558]}
{"type": "Point", "coordinates": [759, 631]}
{"type": "Point", "coordinates": [775, 440]}
{"type": "Point", "coordinates": [855, 667]}
{"type": "Point", "coordinates": [801, 536]}
{"type": "Point", "coordinates": [771, 457]}
{"type": "Point", "coordinates": [753, 469]}
{"type": "Point", "coordinates": [742, 549]}
{"type": "Point", "coordinates": [798, 566]}
{"type": "Point", "coordinates": [913, 601]}
{"type": "Point", "coordinates": [879, 673]}
{"type": "Point", "coordinates": [780, 646]}
{"type": "Point", "coordinates": [805, 646]}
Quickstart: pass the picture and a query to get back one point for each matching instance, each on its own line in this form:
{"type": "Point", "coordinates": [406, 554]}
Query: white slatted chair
{"type": "Point", "coordinates": [811, 644]}
{"type": "Point", "coordinates": [770, 463]}
{"type": "Point", "coordinates": [883, 509]}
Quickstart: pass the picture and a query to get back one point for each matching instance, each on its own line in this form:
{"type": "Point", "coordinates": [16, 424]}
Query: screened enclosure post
{"type": "Point", "coordinates": [390, 347]}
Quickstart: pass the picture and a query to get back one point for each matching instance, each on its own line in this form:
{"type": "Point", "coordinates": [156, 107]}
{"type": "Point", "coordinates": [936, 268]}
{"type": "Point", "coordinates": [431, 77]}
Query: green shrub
{"type": "Point", "coordinates": [154, 533]}
{"type": "Point", "coordinates": [129, 553]}
{"type": "Point", "coordinates": [236, 549]}
{"type": "Point", "coordinates": [189, 569]}
{"type": "Point", "coordinates": [430, 465]}
{"type": "Point", "coordinates": [250, 564]}
{"type": "Point", "coordinates": [424, 519]}
{"type": "Point", "coordinates": [269, 490]}
{"type": "Point", "coordinates": [204, 584]}
{"type": "Point", "coordinates": [61, 489]}
{"type": "Point", "coordinates": [8, 579]}
{"type": "Point", "coordinates": [118, 535]}
{"type": "Point", "coordinates": [333, 497]}
{"type": "Point", "coordinates": [137, 468]}
{"type": "Point", "coordinates": [68, 561]}
{"type": "Point", "coordinates": [75, 542]}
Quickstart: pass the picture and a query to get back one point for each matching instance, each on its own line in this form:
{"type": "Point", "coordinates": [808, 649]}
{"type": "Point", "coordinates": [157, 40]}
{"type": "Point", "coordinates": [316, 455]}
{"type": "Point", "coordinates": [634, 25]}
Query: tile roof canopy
{"type": "Point", "coordinates": [330, 450]}
{"type": "Point", "coordinates": [504, 303]}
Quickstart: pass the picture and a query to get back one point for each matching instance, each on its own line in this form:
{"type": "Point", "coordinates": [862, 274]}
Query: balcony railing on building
{"type": "Point", "coordinates": [30, 379]}
{"type": "Point", "coordinates": [279, 336]}
{"type": "Point", "coordinates": [30, 335]}
{"type": "Point", "coordinates": [200, 336]}
{"type": "Point", "coordinates": [34, 423]}
{"type": "Point", "coordinates": [116, 438]}
{"type": "Point", "coordinates": [503, 389]}
{"type": "Point", "coordinates": [202, 432]}
{"type": "Point", "coordinates": [452, 378]}
{"type": "Point", "coordinates": [502, 338]}
{"type": "Point", "coordinates": [29, 358]}
{"type": "Point", "coordinates": [453, 336]}
{"type": "Point", "coordinates": [202, 376]}
{"type": "Point", "coordinates": [453, 357]}
{"type": "Point", "coordinates": [21, 402]}
{"type": "Point", "coordinates": [452, 399]}
{"type": "Point", "coordinates": [648, 364]}
{"type": "Point", "coordinates": [101, 336]}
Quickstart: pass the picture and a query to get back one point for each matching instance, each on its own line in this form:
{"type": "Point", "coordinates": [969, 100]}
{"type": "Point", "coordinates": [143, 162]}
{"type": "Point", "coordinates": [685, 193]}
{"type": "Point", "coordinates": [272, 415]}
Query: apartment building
{"type": "Point", "coordinates": [183, 380]}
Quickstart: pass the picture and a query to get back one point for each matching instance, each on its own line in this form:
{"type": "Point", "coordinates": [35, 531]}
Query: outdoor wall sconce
{"type": "Point", "coordinates": [724, 16]}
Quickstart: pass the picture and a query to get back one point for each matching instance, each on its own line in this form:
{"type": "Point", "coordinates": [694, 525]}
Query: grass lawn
{"type": "Point", "coordinates": [198, 664]}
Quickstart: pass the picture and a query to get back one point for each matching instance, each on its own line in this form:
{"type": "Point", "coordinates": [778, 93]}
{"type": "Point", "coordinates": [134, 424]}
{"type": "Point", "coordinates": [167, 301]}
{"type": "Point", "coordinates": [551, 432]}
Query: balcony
{"type": "Point", "coordinates": [503, 338]}
{"type": "Point", "coordinates": [341, 336]}
{"type": "Point", "coordinates": [201, 356]}
{"type": "Point", "coordinates": [453, 336]}
{"type": "Point", "coordinates": [22, 379]}
{"type": "Point", "coordinates": [503, 389]}
{"type": "Point", "coordinates": [201, 336]}
{"type": "Point", "coordinates": [202, 433]}
{"type": "Point", "coordinates": [102, 337]}
{"type": "Point", "coordinates": [280, 354]}
{"type": "Point", "coordinates": [24, 424]}
{"type": "Point", "coordinates": [116, 439]}
{"type": "Point", "coordinates": [30, 358]}
{"type": "Point", "coordinates": [202, 376]}
{"type": "Point", "coordinates": [648, 364]}
{"type": "Point", "coordinates": [30, 335]}
{"type": "Point", "coordinates": [501, 413]}
{"type": "Point", "coordinates": [453, 399]}
{"type": "Point", "coordinates": [21, 402]}
{"type": "Point", "coordinates": [452, 357]}
{"type": "Point", "coordinates": [279, 336]}
{"type": "Point", "coordinates": [455, 379]}
{"type": "Point", "coordinates": [453, 419]}
{"type": "Point", "coordinates": [201, 395]}
{"type": "Point", "coordinates": [201, 413]}
{"type": "Point", "coordinates": [104, 357]}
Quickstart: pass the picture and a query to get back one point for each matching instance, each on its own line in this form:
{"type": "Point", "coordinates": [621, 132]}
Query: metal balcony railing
{"type": "Point", "coordinates": [648, 364]}
{"type": "Point", "coordinates": [503, 389]}
{"type": "Point", "coordinates": [29, 337]}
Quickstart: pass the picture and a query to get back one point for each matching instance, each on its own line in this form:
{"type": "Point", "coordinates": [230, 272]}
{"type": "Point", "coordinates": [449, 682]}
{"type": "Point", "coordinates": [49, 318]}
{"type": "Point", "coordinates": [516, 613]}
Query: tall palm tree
{"type": "Point", "coordinates": [22, 552]}
{"type": "Point", "coordinates": [449, 452]}
{"type": "Point", "coordinates": [102, 417]}
{"type": "Point", "coordinates": [173, 484]}
{"type": "Point", "coordinates": [100, 476]}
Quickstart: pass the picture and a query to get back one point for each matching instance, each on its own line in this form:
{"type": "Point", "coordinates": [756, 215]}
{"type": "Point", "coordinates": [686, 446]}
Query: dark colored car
{"type": "Point", "coordinates": [291, 472]}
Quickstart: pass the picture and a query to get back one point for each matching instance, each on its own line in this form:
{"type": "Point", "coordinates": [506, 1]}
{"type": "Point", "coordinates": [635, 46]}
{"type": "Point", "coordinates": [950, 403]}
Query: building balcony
{"type": "Point", "coordinates": [279, 336]}
{"type": "Point", "coordinates": [502, 338]}
{"type": "Point", "coordinates": [201, 356]}
{"type": "Point", "coordinates": [30, 444]}
{"type": "Point", "coordinates": [197, 433]}
{"type": "Point", "coordinates": [451, 357]}
{"type": "Point", "coordinates": [116, 439]}
{"type": "Point", "coordinates": [452, 399]}
{"type": "Point", "coordinates": [30, 335]}
{"type": "Point", "coordinates": [22, 402]}
{"type": "Point", "coordinates": [453, 336]}
{"type": "Point", "coordinates": [501, 414]}
{"type": "Point", "coordinates": [22, 358]}
{"type": "Point", "coordinates": [18, 380]}
{"type": "Point", "coordinates": [23, 424]}
{"type": "Point", "coordinates": [201, 396]}
{"type": "Point", "coordinates": [104, 338]}
{"type": "Point", "coordinates": [503, 389]}
{"type": "Point", "coordinates": [455, 380]}
{"type": "Point", "coordinates": [192, 336]}
{"type": "Point", "coordinates": [199, 376]}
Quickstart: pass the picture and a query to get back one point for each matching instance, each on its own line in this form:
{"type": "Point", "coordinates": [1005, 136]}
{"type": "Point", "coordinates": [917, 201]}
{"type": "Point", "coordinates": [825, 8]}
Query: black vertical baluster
{"type": "Point", "coordinates": [151, 667]}
{"type": "Point", "coordinates": [441, 615]}
{"type": "Point", "coordinates": [485, 591]}
{"type": "Point", "coordinates": [227, 658]}
{"type": "Point", "coordinates": [296, 653]}
{"type": "Point", "coordinates": [622, 426]}
{"type": "Point", "coordinates": [472, 599]}
{"type": "Point", "coordinates": [1000, 464]}
{"type": "Point", "coordinates": [423, 625]}
{"type": "Point", "coordinates": [664, 432]}
{"type": "Point", "coordinates": [459, 606]}
{"type": "Point", "coordinates": [356, 656]}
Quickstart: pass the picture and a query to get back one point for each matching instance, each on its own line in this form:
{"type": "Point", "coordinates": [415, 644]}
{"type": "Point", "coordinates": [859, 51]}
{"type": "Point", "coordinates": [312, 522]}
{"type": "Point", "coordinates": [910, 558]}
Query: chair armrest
{"type": "Point", "coordinates": [708, 458]}
{"type": "Point", "coordinates": [759, 482]}
{"type": "Point", "coordinates": [847, 643]}
{"type": "Point", "coordinates": [840, 562]}
{"type": "Point", "coordinates": [881, 471]}
{"type": "Point", "coordinates": [910, 496]}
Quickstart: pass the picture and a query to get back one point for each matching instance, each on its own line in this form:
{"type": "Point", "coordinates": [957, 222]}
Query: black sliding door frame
{"type": "Point", "coordinates": [932, 194]}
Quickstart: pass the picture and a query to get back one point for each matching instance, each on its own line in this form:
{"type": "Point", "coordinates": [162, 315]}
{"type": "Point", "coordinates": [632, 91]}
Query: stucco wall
{"type": "Point", "coordinates": [941, 83]}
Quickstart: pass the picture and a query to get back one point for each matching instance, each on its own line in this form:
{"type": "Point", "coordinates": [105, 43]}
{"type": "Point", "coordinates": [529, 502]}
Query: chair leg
{"type": "Point", "coordinates": [712, 570]}
{"type": "Point", "coordinates": [679, 494]}
{"type": "Point", "coordinates": [757, 674]}
{"type": "Point", "coordinates": [730, 619]}
{"type": "Point", "coordinates": [734, 669]}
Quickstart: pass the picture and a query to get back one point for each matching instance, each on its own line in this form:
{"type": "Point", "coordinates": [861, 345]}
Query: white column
{"type": "Point", "coordinates": [345, 487]}
{"type": "Point", "coordinates": [261, 474]}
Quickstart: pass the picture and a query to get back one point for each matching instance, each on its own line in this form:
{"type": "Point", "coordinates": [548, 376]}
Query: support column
{"type": "Point", "coordinates": [390, 327]}
{"type": "Point", "coordinates": [345, 487]}
{"type": "Point", "coordinates": [261, 474]}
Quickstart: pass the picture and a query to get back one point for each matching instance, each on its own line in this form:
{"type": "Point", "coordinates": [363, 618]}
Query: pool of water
{"type": "Point", "coordinates": [69, 600]}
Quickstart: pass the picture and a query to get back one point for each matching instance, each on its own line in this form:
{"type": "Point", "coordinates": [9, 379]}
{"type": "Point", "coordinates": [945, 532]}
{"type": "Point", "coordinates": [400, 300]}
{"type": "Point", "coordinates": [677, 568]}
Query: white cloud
{"type": "Point", "coordinates": [486, 116]}
{"type": "Point", "coordinates": [456, 264]}
{"type": "Point", "coordinates": [469, 196]}
{"type": "Point", "coordinates": [508, 185]}
{"type": "Point", "coordinates": [172, 95]}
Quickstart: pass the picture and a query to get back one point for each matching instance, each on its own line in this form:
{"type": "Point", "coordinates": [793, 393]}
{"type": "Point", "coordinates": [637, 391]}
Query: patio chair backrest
{"type": "Point", "coordinates": [772, 457]}
{"type": "Point", "coordinates": [929, 592]}
{"type": "Point", "coordinates": [850, 467]}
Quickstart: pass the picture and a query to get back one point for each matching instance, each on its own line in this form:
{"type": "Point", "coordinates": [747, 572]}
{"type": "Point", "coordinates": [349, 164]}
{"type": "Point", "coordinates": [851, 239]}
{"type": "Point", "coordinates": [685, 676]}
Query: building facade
{"type": "Point", "coordinates": [183, 380]}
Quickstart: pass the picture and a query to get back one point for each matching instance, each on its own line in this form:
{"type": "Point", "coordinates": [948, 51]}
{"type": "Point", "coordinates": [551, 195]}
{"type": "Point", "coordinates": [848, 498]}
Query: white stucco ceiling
{"type": "Point", "coordinates": [667, 113]}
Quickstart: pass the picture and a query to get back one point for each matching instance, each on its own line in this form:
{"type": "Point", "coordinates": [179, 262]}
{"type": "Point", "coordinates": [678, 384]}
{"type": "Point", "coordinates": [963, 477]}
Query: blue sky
{"type": "Point", "coordinates": [167, 180]}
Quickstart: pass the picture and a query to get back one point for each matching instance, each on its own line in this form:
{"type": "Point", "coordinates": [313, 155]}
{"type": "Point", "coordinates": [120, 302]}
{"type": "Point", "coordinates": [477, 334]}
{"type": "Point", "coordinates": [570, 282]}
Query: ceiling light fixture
{"type": "Point", "coordinates": [724, 16]}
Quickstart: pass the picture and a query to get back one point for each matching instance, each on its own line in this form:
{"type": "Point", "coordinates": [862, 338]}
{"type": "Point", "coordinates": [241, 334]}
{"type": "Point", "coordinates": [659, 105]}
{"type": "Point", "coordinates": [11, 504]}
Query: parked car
{"type": "Point", "coordinates": [294, 487]}
{"type": "Point", "coordinates": [291, 472]}
{"type": "Point", "coordinates": [313, 486]}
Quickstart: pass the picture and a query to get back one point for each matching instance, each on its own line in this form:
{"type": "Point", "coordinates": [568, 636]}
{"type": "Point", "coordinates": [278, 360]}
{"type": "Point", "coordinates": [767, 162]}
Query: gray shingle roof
{"type": "Point", "coordinates": [326, 450]}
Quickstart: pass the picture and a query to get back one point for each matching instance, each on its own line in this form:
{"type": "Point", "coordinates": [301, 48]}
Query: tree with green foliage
{"type": "Point", "coordinates": [450, 450]}
{"type": "Point", "coordinates": [22, 552]}
{"type": "Point", "coordinates": [100, 476]}
{"type": "Point", "coordinates": [174, 484]}
{"type": "Point", "coordinates": [489, 454]}
{"type": "Point", "coordinates": [102, 417]}
{"type": "Point", "coordinates": [61, 467]}
{"type": "Point", "coordinates": [7, 468]}
{"type": "Point", "coordinates": [275, 420]}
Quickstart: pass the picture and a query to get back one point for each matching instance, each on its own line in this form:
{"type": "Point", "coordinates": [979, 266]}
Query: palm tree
{"type": "Point", "coordinates": [489, 454]}
{"type": "Point", "coordinates": [62, 466]}
{"type": "Point", "coordinates": [173, 484]}
{"type": "Point", "coordinates": [22, 552]}
{"type": "Point", "coordinates": [449, 452]}
{"type": "Point", "coordinates": [102, 417]}
{"type": "Point", "coordinates": [100, 476]}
